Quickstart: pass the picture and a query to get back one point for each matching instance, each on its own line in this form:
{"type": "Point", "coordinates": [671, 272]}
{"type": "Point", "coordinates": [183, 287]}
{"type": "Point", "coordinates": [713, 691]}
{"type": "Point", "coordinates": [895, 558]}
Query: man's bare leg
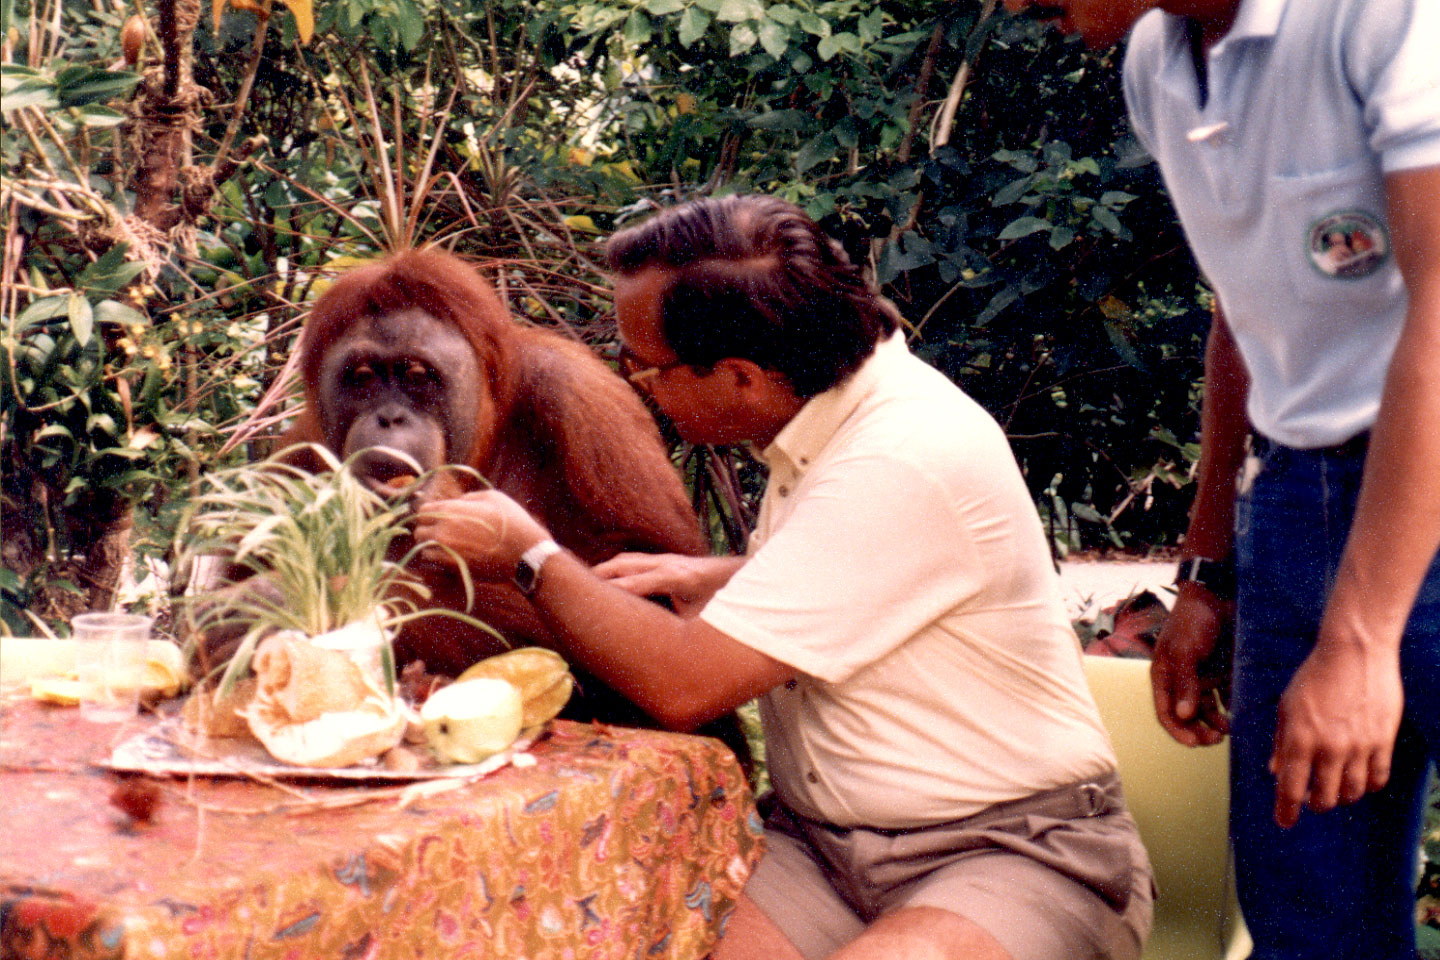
{"type": "Point", "coordinates": [923, 933]}
{"type": "Point", "coordinates": [751, 935]}
{"type": "Point", "coordinates": [914, 933]}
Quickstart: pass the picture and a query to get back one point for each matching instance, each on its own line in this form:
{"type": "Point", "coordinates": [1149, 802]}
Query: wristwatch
{"type": "Point", "coordinates": [527, 571]}
{"type": "Point", "coordinates": [1217, 576]}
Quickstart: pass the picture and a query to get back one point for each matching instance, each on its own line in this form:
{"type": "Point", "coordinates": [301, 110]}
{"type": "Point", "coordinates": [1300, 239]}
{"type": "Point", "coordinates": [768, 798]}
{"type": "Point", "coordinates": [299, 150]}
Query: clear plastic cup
{"type": "Point", "coordinates": [110, 654]}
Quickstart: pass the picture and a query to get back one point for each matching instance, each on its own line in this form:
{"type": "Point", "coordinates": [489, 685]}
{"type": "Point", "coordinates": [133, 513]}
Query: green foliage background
{"type": "Point", "coordinates": [1033, 250]}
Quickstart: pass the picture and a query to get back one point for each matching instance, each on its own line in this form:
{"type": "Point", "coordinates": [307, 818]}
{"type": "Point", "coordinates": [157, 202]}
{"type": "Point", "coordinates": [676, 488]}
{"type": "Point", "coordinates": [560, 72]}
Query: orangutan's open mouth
{"type": "Point", "coordinates": [385, 471]}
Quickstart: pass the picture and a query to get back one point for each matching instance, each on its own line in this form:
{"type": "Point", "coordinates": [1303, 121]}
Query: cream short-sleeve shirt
{"type": "Point", "coordinates": [899, 564]}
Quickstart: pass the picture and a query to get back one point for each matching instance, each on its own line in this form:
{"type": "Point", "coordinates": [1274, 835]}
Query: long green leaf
{"type": "Point", "coordinates": [82, 318]}
{"type": "Point", "coordinates": [92, 86]}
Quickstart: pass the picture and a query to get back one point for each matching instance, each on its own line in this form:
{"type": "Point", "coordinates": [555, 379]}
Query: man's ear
{"type": "Point", "coordinates": [742, 373]}
{"type": "Point", "coordinates": [761, 397]}
{"type": "Point", "coordinates": [768, 389]}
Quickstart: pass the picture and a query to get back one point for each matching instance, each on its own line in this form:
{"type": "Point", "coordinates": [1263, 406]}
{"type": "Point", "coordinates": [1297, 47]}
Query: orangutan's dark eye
{"type": "Point", "coordinates": [360, 377]}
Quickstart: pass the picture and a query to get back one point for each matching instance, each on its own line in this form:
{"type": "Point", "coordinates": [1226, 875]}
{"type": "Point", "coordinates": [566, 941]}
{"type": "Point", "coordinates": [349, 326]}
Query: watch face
{"type": "Point", "coordinates": [527, 570]}
{"type": "Point", "coordinates": [526, 577]}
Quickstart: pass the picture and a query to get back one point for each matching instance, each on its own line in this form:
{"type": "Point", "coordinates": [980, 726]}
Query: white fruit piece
{"type": "Point", "coordinates": [314, 707]}
{"type": "Point", "coordinates": [473, 719]}
{"type": "Point", "coordinates": [336, 739]}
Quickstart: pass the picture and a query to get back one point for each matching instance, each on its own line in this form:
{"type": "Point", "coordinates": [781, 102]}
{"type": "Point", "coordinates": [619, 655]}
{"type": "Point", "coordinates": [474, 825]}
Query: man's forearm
{"type": "Point", "coordinates": [1223, 428]}
{"type": "Point", "coordinates": [680, 671]}
{"type": "Point", "coordinates": [1397, 520]}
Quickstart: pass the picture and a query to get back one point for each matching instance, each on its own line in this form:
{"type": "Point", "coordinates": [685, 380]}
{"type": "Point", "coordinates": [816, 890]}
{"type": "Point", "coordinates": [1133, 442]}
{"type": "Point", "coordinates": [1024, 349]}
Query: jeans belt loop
{"type": "Point", "coordinates": [1092, 800]}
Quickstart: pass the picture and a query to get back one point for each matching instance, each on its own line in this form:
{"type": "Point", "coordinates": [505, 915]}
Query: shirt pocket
{"type": "Point", "coordinates": [1334, 244]}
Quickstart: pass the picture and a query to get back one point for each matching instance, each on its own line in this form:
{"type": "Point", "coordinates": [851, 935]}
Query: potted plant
{"type": "Point", "coordinates": [315, 596]}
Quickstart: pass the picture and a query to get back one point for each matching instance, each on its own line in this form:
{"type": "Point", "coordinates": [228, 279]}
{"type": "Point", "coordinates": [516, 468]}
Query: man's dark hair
{"type": "Point", "coordinates": [755, 278]}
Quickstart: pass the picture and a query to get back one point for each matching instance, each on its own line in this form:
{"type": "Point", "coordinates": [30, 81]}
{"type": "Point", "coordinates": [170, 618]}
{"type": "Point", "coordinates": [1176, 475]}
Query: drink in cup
{"type": "Point", "coordinates": [110, 654]}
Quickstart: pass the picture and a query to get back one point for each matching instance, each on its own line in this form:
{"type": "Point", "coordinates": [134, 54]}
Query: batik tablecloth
{"type": "Point", "coordinates": [616, 843]}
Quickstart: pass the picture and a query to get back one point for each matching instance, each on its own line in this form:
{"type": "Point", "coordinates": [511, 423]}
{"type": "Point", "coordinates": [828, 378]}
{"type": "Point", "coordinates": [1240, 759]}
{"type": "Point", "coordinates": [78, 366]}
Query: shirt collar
{"type": "Point", "coordinates": [1256, 19]}
{"type": "Point", "coordinates": [800, 441]}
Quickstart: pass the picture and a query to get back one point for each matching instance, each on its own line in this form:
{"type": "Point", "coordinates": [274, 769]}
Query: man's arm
{"type": "Point", "coordinates": [1184, 702]}
{"type": "Point", "coordinates": [1340, 714]}
{"type": "Point", "coordinates": [681, 671]}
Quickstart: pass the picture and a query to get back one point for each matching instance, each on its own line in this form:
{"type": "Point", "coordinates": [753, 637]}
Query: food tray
{"type": "Point", "coordinates": [170, 750]}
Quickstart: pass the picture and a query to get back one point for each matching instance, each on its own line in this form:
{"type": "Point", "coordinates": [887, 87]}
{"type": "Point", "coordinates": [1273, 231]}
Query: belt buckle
{"type": "Point", "coordinates": [1092, 799]}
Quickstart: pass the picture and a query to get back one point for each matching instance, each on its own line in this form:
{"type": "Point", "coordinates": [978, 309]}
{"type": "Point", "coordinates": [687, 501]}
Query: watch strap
{"type": "Point", "coordinates": [527, 571]}
{"type": "Point", "coordinates": [1217, 576]}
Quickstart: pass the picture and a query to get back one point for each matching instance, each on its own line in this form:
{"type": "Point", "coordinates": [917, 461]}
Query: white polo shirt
{"type": "Point", "coordinates": [1279, 183]}
{"type": "Point", "coordinates": [899, 565]}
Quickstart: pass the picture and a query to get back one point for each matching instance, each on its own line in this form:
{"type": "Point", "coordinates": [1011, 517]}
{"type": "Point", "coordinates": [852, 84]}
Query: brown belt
{"type": "Point", "coordinates": [1087, 798]}
{"type": "Point", "coordinates": [1074, 801]}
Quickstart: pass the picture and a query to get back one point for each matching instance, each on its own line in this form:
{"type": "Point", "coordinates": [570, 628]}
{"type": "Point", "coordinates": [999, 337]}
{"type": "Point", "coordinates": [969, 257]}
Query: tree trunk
{"type": "Point", "coordinates": [107, 550]}
{"type": "Point", "coordinates": [167, 110]}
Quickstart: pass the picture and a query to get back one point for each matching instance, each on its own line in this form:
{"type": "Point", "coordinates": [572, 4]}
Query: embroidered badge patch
{"type": "Point", "coordinates": [1348, 245]}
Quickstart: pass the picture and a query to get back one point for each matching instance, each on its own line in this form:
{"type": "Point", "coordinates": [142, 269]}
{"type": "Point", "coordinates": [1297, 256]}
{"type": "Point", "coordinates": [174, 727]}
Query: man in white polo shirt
{"type": "Point", "coordinates": [943, 784]}
{"type": "Point", "coordinates": [1300, 141]}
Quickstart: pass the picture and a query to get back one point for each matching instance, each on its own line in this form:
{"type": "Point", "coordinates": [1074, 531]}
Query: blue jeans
{"type": "Point", "coordinates": [1338, 884]}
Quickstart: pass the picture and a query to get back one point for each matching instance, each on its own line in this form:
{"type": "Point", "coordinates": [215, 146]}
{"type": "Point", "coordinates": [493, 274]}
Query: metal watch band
{"type": "Point", "coordinates": [527, 571]}
{"type": "Point", "coordinates": [1217, 576]}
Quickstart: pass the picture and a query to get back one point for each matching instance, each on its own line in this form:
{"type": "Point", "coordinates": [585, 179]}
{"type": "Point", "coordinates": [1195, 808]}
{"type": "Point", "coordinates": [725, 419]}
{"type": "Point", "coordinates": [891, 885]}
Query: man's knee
{"type": "Point", "coordinates": [923, 933]}
{"type": "Point", "coordinates": [915, 933]}
{"type": "Point", "coordinates": [751, 935]}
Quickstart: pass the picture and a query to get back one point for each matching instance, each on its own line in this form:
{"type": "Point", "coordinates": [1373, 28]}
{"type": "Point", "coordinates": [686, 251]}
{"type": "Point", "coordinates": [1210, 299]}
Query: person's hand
{"type": "Point", "coordinates": [1190, 673]}
{"type": "Point", "coordinates": [688, 582]}
{"type": "Point", "coordinates": [486, 530]}
{"type": "Point", "coordinates": [1337, 726]}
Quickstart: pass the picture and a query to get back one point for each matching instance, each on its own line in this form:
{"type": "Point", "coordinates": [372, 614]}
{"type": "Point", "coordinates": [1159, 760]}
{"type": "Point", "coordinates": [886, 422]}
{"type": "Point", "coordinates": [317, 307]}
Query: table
{"type": "Point", "coordinates": [616, 843]}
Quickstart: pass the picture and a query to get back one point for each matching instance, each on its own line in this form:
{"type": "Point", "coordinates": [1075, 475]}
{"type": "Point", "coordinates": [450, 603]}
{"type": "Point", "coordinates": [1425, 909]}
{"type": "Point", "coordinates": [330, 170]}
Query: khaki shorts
{"type": "Point", "coordinates": [1061, 875]}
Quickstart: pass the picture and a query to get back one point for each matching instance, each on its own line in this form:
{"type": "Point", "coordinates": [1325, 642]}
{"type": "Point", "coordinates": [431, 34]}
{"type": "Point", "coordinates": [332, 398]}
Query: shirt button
{"type": "Point", "coordinates": [812, 777]}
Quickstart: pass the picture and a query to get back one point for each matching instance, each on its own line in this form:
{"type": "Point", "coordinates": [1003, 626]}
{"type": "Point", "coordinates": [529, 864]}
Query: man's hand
{"type": "Point", "coordinates": [487, 530]}
{"type": "Point", "coordinates": [1336, 730]}
{"type": "Point", "coordinates": [688, 582]}
{"type": "Point", "coordinates": [1186, 689]}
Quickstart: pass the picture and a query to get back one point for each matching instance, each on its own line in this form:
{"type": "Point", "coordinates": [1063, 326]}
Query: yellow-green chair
{"type": "Point", "coordinates": [1180, 799]}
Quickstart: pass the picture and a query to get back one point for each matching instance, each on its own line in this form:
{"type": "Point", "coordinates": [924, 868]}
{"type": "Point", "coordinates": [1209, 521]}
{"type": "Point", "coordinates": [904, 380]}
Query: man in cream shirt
{"type": "Point", "coordinates": [943, 785]}
{"type": "Point", "coordinates": [899, 566]}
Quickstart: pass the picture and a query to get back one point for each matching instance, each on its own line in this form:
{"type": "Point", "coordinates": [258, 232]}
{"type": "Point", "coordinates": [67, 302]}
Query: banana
{"type": "Point", "coordinates": [542, 677]}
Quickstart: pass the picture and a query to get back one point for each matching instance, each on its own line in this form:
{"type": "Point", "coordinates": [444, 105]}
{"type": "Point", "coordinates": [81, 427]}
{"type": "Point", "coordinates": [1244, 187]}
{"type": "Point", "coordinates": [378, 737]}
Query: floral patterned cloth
{"type": "Point", "coordinates": [617, 843]}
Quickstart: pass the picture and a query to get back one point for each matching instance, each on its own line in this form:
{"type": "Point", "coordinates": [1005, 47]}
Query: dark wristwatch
{"type": "Point", "coordinates": [1217, 576]}
{"type": "Point", "coordinates": [527, 571]}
